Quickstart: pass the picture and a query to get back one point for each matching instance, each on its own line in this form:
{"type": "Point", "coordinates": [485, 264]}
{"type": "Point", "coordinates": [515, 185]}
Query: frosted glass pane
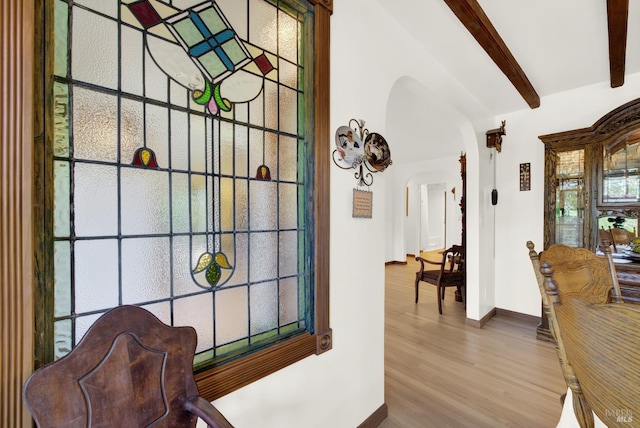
{"type": "Point", "coordinates": [96, 201]}
{"type": "Point", "coordinates": [240, 260]}
{"type": "Point", "coordinates": [199, 203]}
{"type": "Point", "coordinates": [256, 110]}
{"type": "Point", "coordinates": [288, 159]}
{"type": "Point", "coordinates": [241, 205]}
{"type": "Point", "coordinates": [270, 104]}
{"type": "Point", "coordinates": [144, 201]}
{"type": "Point", "coordinates": [241, 152]}
{"type": "Point", "coordinates": [288, 300]}
{"type": "Point", "coordinates": [61, 338]}
{"type": "Point", "coordinates": [95, 49]}
{"type": "Point", "coordinates": [197, 312]}
{"type": "Point", "coordinates": [288, 202]}
{"type": "Point", "coordinates": [179, 96]}
{"type": "Point", "coordinates": [107, 7]}
{"type": "Point", "coordinates": [60, 119]}
{"type": "Point", "coordinates": [157, 130]}
{"type": "Point", "coordinates": [263, 256]}
{"type": "Point", "coordinates": [145, 270]}
{"type": "Point", "coordinates": [180, 202]}
{"type": "Point", "coordinates": [83, 324]}
{"type": "Point", "coordinates": [288, 73]}
{"type": "Point", "coordinates": [262, 211]}
{"type": "Point", "coordinates": [179, 136]}
{"type": "Point", "coordinates": [96, 274]}
{"type": "Point", "coordinates": [232, 317]}
{"type": "Point", "coordinates": [95, 128]}
{"type": "Point", "coordinates": [225, 204]}
{"type": "Point", "coordinates": [61, 12]}
{"type": "Point", "coordinates": [226, 149]}
{"type": "Point", "coordinates": [161, 310]}
{"type": "Point", "coordinates": [288, 110]}
{"type": "Point", "coordinates": [132, 56]}
{"type": "Point", "coordinates": [288, 37]}
{"type": "Point", "coordinates": [263, 25]}
{"type": "Point", "coordinates": [241, 111]}
{"type": "Point", "coordinates": [236, 14]}
{"type": "Point", "coordinates": [61, 207]}
{"type": "Point", "coordinates": [199, 143]}
{"type": "Point", "coordinates": [264, 307]}
{"type": "Point", "coordinates": [155, 80]}
{"type": "Point", "coordinates": [288, 253]}
{"type": "Point", "coordinates": [131, 129]}
{"type": "Point", "coordinates": [184, 263]}
{"type": "Point", "coordinates": [62, 278]}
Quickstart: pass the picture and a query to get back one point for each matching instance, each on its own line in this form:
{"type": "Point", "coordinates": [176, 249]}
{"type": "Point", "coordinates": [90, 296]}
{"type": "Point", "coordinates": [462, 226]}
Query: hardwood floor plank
{"type": "Point", "coordinates": [442, 373]}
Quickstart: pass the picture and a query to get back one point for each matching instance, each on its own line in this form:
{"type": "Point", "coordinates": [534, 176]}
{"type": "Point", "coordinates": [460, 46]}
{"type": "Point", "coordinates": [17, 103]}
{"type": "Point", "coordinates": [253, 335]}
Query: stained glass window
{"type": "Point", "coordinates": [182, 168]}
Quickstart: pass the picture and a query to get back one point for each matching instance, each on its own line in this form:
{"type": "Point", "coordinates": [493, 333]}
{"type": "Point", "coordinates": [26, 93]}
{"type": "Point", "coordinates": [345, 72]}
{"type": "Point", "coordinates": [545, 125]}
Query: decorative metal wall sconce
{"type": "Point", "coordinates": [358, 149]}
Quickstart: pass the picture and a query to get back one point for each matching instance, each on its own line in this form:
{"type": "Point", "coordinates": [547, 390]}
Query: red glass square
{"type": "Point", "coordinates": [263, 64]}
{"type": "Point", "coordinates": [145, 13]}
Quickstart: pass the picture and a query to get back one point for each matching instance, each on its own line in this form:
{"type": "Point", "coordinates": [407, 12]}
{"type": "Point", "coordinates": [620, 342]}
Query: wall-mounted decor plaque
{"type": "Point", "coordinates": [362, 203]}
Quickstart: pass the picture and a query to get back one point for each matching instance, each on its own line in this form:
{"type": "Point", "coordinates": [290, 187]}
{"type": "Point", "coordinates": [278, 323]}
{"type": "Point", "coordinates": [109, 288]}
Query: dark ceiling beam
{"type": "Point", "coordinates": [475, 20]}
{"type": "Point", "coordinates": [617, 17]}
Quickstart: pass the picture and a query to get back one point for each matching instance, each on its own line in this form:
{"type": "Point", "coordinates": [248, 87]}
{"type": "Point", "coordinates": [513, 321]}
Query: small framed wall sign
{"type": "Point", "coordinates": [525, 176]}
{"type": "Point", "coordinates": [362, 203]}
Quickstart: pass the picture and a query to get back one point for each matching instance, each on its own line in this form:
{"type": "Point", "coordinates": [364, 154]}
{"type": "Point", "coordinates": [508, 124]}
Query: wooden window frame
{"type": "Point", "coordinates": [220, 380]}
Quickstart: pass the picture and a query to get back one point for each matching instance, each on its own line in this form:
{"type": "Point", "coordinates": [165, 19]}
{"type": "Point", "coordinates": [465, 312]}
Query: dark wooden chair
{"type": "Point", "coordinates": [450, 273]}
{"type": "Point", "coordinates": [129, 370]}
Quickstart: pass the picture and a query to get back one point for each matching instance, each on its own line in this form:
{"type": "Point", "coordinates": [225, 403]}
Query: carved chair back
{"type": "Point", "coordinates": [129, 370]}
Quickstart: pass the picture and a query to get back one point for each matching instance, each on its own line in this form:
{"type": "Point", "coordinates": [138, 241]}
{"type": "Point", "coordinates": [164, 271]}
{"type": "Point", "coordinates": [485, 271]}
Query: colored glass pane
{"type": "Point", "coordinates": [145, 13]}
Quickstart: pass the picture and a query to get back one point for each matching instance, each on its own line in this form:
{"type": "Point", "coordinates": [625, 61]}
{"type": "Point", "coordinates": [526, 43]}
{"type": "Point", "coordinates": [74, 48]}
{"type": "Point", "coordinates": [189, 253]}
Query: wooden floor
{"type": "Point", "coordinates": [442, 373]}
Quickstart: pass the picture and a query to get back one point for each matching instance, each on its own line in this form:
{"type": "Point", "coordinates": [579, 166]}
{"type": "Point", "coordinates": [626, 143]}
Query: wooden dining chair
{"type": "Point", "coordinates": [450, 273]}
{"type": "Point", "coordinates": [601, 340]}
{"type": "Point", "coordinates": [582, 274]}
{"type": "Point", "coordinates": [129, 370]}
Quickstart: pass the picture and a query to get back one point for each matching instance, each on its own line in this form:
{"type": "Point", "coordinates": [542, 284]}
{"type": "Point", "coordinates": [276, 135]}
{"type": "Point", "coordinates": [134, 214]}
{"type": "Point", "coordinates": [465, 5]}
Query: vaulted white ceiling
{"type": "Point", "coordinates": [559, 44]}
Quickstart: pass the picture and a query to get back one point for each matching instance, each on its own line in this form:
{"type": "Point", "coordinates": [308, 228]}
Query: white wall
{"type": "Point", "coordinates": [519, 214]}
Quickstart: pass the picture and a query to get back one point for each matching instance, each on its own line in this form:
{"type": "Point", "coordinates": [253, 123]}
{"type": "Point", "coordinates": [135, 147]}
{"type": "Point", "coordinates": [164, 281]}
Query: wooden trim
{"type": "Point", "coordinates": [376, 418]}
{"type": "Point", "coordinates": [395, 262]}
{"type": "Point", "coordinates": [322, 197]}
{"type": "Point", "coordinates": [219, 381]}
{"type": "Point", "coordinates": [484, 320]}
{"type": "Point", "coordinates": [470, 13]}
{"type": "Point", "coordinates": [16, 205]}
{"type": "Point", "coordinates": [617, 17]}
{"type": "Point", "coordinates": [519, 316]}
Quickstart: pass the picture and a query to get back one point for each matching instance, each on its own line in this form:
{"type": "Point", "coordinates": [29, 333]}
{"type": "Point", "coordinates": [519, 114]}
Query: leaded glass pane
{"type": "Point", "coordinates": [231, 304]}
{"type": "Point", "coordinates": [61, 208]}
{"type": "Point", "coordinates": [144, 195]}
{"type": "Point", "coordinates": [95, 194]}
{"type": "Point", "coordinates": [264, 307]}
{"type": "Point", "coordinates": [62, 280]}
{"type": "Point", "coordinates": [62, 338]}
{"type": "Point", "coordinates": [96, 275]}
{"type": "Point", "coordinates": [145, 270]}
{"type": "Point", "coordinates": [61, 119]}
{"type": "Point", "coordinates": [95, 125]}
{"type": "Point", "coordinates": [183, 185]}
{"type": "Point", "coordinates": [93, 65]}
